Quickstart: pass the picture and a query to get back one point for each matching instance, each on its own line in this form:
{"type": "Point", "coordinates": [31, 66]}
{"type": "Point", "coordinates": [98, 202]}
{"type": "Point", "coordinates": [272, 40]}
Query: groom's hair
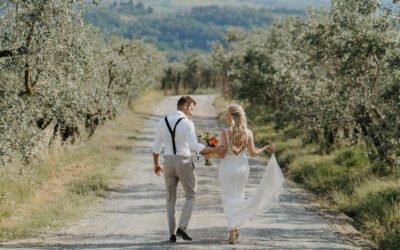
{"type": "Point", "coordinates": [185, 100]}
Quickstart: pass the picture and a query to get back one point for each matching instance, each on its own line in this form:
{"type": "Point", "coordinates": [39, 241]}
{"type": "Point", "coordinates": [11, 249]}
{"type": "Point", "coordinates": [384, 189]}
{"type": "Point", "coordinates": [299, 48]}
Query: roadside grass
{"type": "Point", "coordinates": [343, 180]}
{"type": "Point", "coordinates": [375, 208]}
{"type": "Point", "coordinates": [56, 189]}
{"type": "Point", "coordinates": [346, 181]}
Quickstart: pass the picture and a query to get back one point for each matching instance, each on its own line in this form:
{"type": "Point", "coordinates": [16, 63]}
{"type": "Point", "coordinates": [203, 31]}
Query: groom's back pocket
{"type": "Point", "coordinates": [189, 164]}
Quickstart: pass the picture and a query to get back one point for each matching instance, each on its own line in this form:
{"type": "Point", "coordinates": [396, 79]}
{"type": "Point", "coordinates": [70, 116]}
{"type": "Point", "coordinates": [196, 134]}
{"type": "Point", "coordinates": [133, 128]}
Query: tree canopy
{"type": "Point", "coordinates": [57, 72]}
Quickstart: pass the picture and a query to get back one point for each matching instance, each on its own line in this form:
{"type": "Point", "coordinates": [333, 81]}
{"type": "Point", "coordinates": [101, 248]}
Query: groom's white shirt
{"type": "Point", "coordinates": [185, 136]}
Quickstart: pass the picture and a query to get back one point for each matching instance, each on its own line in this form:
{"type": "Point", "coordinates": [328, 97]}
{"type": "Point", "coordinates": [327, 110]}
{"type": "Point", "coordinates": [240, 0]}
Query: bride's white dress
{"type": "Point", "coordinates": [233, 174]}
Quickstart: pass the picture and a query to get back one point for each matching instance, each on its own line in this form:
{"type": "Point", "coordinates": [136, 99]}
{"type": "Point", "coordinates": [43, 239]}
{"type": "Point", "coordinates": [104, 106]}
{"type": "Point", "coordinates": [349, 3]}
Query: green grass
{"type": "Point", "coordinates": [375, 209]}
{"type": "Point", "coordinates": [342, 171]}
{"type": "Point", "coordinates": [346, 181]}
{"type": "Point", "coordinates": [95, 185]}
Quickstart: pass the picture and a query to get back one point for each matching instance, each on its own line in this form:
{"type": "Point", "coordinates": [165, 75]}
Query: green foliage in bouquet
{"type": "Point", "coordinates": [211, 140]}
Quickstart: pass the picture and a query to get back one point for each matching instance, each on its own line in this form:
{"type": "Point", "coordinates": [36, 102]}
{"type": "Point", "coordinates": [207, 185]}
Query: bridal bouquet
{"type": "Point", "coordinates": [211, 141]}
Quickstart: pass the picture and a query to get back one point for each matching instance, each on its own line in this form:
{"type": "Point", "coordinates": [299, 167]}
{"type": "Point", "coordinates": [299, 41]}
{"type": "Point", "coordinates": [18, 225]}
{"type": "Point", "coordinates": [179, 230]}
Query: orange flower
{"type": "Point", "coordinates": [213, 141]}
{"type": "Point", "coordinates": [209, 140]}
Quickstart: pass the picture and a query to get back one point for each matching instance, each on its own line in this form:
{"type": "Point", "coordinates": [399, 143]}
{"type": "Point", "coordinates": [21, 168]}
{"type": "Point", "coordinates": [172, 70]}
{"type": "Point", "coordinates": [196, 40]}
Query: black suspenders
{"type": "Point", "coordinates": [172, 132]}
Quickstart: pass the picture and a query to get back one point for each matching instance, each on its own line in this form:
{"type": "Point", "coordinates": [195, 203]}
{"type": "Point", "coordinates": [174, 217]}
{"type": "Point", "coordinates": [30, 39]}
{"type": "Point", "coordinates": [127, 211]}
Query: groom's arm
{"type": "Point", "coordinates": [157, 166]}
{"type": "Point", "coordinates": [192, 138]}
{"type": "Point", "coordinates": [208, 152]}
{"type": "Point", "coordinates": [156, 151]}
{"type": "Point", "coordinates": [199, 147]}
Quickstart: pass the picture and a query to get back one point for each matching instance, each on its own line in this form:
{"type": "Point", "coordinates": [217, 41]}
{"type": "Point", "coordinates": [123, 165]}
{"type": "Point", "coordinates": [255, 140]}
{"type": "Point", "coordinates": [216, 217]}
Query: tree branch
{"type": "Point", "coordinates": [13, 52]}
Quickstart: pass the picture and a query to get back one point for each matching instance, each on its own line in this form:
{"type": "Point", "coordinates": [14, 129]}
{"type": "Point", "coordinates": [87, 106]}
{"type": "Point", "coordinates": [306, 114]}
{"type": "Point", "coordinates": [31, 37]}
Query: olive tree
{"type": "Point", "coordinates": [57, 72]}
{"type": "Point", "coordinates": [334, 74]}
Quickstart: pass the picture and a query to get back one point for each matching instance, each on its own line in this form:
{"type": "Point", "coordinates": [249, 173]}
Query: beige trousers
{"type": "Point", "coordinates": [179, 169]}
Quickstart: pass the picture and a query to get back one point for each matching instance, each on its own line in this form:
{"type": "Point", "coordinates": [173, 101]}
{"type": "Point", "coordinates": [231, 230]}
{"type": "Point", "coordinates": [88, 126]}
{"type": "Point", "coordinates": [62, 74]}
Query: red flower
{"type": "Point", "coordinates": [213, 142]}
{"type": "Point", "coordinates": [209, 140]}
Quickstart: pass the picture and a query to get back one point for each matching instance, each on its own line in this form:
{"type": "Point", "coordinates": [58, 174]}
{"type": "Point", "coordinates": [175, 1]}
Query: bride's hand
{"type": "Point", "coordinates": [220, 152]}
{"type": "Point", "coordinates": [269, 149]}
{"type": "Point", "coordinates": [207, 156]}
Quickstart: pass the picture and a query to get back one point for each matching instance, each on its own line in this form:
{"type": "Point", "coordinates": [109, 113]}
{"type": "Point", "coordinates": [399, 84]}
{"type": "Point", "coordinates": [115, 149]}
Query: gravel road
{"type": "Point", "coordinates": [134, 217]}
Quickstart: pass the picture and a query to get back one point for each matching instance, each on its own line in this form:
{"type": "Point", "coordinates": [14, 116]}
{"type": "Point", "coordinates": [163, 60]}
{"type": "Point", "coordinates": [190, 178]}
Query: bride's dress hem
{"type": "Point", "coordinates": [233, 174]}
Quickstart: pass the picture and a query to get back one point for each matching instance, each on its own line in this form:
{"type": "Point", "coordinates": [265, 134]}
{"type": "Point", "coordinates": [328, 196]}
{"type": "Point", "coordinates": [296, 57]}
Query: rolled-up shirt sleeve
{"type": "Point", "coordinates": [192, 138]}
{"type": "Point", "coordinates": [157, 140]}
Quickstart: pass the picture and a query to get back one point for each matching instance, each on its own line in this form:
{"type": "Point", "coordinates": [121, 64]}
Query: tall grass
{"type": "Point", "coordinates": [375, 208]}
{"type": "Point", "coordinates": [345, 180]}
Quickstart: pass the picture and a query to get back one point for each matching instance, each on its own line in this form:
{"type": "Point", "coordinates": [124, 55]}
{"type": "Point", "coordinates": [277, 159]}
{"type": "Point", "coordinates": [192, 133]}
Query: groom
{"type": "Point", "coordinates": [176, 131]}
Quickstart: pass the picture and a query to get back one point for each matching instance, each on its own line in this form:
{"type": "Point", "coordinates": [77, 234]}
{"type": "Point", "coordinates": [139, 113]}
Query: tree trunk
{"type": "Point", "coordinates": [376, 142]}
{"type": "Point", "coordinates": [111, 78]}
{"type": "Point", "coordinates": [28, 80]}
{"type": "Point", "coordinates": [27, 73]}
{"type": "Point", "coordinates": [176, 83]}
{"type": "Point", "coordinates": [222, 79]}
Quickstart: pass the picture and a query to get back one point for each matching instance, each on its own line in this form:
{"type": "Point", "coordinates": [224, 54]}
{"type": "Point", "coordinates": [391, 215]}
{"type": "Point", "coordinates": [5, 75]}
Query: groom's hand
{"type": "Point", "coordinates": [221, 151]}
{"type": "Point", "coordinates": [158, 169]}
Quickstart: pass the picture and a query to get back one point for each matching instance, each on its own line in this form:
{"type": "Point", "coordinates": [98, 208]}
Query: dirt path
{"type": "Point", "coordinates": [134, 216]}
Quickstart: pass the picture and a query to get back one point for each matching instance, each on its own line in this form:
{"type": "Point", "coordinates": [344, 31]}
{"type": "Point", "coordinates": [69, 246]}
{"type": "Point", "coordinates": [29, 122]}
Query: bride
{"type": "Point", "coordinates": [234, 171]}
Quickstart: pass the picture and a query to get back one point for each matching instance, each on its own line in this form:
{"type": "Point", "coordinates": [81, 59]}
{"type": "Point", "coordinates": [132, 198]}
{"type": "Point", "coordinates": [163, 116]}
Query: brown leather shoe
{"type": "Point", "coordinates": [183, 234]}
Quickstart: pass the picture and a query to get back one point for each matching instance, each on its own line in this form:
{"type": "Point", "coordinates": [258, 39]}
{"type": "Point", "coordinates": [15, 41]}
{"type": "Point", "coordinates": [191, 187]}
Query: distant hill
{"type": "Point", "coordinates": [181, 26]}
{"type": "Point", "coordinates": [179, 5]}
{"type": "Point", "coordinates": [290, 4]}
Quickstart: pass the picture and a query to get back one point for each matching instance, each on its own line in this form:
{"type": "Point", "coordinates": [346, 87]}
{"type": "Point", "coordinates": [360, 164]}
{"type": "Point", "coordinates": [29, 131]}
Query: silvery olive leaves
{"type": "Point", "coordinates": [59, 78]}
{"type": "Point", "coordinates": [334, 73]}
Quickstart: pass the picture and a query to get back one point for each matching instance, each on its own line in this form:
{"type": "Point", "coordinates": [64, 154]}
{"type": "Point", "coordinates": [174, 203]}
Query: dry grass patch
{"type": "Point", "coordinates": [53, 190]}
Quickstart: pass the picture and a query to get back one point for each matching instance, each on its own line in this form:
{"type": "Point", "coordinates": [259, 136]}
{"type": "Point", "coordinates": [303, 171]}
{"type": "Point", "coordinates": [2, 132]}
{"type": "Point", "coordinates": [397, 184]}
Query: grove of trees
{"type": "Point", "coordinates": [195, 72]}
{"type": "Point", "coordinates": [334, 76]}
{"type": "Point", "coordinates": [57, 72]}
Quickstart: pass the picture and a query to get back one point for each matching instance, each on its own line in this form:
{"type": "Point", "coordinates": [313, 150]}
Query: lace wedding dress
{"type": "Point", "coordinates": [232, 175]}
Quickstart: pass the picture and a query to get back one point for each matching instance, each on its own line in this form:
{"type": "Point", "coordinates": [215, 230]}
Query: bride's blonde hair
{"type": "Point", "coordinates": [238, 139]}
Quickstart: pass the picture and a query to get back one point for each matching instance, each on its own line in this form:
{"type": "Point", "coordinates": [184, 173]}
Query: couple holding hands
{"type": "Point", "coordinates": [177, 133]}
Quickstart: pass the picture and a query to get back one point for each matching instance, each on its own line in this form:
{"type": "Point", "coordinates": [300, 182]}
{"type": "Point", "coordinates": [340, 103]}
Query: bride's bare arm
{"type": "Point", "coordinates": [253, 151]}
{"type": "Point", "coordinates": [223, 143]}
